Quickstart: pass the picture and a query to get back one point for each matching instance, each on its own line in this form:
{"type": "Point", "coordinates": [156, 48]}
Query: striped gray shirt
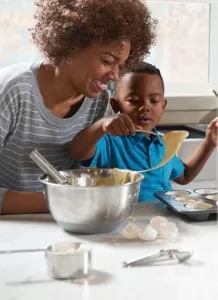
{"type": "Point", "coordinates": [26, 124]}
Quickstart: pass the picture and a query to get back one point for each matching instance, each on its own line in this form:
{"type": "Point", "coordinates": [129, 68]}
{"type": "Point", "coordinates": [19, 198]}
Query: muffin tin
{"type": "Point", "coordinates": [197, 204]}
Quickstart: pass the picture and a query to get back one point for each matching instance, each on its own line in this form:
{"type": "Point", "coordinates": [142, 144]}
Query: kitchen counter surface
{"type": "Point", "coordinates": [23, 276]}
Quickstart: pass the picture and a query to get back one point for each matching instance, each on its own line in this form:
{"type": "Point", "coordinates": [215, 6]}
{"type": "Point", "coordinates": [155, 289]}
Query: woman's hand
{"type": "Point", "coordinates": [212, 132]}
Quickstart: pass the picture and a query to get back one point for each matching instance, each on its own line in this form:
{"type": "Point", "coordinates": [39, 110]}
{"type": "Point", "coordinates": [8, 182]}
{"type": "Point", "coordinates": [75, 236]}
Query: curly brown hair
{"type": "Point", "coordinates": [64, 25]}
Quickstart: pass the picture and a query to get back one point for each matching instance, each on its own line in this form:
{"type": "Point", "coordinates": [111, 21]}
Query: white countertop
{"type": "Point", "coordinates": [23, 276]}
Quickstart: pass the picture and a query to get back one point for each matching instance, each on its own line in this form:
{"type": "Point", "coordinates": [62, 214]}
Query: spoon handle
{"type": "Point", "coordinates": [20, 251]}
{"type": "Point", "coordinates": [47, 168]}
{"type": "Point", "coordinates": [144, 259]}
{"type": "Point", "coordinates": [150, 132]}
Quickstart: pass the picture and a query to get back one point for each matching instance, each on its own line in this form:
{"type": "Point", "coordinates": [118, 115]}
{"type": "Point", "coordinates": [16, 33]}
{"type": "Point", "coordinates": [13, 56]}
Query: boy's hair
{"type": "Point", "coordinates": [147, 68]}
{"type": "Point", "coordinates": [63, 26]}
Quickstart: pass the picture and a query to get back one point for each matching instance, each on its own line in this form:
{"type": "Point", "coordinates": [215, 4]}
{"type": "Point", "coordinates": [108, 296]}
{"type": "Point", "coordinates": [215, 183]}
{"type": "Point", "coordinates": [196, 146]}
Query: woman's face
{"type": "Point", "coordinates": [141, 97]}
{"type": "Point", "coordinates": [89, 70]}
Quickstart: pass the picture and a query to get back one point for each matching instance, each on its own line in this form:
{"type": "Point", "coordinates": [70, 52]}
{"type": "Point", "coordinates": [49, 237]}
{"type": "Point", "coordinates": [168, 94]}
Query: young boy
{"type": "Point", "coordinates": [112, 142]}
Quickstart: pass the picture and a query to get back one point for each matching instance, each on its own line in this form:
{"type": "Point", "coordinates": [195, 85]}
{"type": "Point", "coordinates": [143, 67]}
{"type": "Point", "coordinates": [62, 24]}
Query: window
{"type": "Point", "coordinates": [185, 44]}
{"type": "Point", "coordinates": [186, 53]}
{"type": "Point", "coordinates": [16, 44]}
{"type": "Point", "coordinates": [186, 49]}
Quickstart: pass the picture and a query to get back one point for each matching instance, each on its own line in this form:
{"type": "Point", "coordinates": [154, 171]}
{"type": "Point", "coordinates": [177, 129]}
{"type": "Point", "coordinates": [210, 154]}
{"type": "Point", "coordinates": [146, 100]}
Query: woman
{"type": "Point", "coordinates": [44, 105]}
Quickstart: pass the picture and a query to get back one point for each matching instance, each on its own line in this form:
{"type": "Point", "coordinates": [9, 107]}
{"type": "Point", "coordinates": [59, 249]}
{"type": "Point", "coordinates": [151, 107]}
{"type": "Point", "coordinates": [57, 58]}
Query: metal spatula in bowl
{"type": "Point", "coordinates": [47, 168]}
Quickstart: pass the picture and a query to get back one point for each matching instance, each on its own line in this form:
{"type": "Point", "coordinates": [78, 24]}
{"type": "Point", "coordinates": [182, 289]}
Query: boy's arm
{"type": "Point", "coordinates": [200, 156]}
{"type": "Point", "coordinates": [24, 202]}
{"type": "Point", "coordinates": [84, 144]}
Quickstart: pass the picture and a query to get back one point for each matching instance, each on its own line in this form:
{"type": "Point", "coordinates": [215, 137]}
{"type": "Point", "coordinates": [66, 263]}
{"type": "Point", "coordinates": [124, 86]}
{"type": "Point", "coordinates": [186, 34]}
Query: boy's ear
{"type": "Point", "coordinates": [165, 103]}
{"type": "Point", "coordinates": [115, 105]}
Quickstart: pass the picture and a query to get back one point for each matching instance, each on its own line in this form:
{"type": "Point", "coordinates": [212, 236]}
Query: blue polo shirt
{"type": "Point", "coordinates": [137, 153]}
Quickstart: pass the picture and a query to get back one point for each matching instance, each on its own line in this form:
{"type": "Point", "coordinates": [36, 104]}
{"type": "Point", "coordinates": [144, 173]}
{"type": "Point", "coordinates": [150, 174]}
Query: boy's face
{"type": "Point", "coordinates": [141, 97]}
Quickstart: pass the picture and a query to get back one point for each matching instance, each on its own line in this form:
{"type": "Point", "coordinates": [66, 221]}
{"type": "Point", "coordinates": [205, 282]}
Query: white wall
{"type": "Point", "coordinates": [208, 177]}
{"type": "Point", "coordinates": [193, 110]}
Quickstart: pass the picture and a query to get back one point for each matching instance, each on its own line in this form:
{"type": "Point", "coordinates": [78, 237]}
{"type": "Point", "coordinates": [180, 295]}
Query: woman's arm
{"type": "Point", "coordinates": [23, 203]}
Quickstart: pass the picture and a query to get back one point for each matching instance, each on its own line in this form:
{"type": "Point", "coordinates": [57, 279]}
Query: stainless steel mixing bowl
{"type": "Point", "coordinates": [93, 209]}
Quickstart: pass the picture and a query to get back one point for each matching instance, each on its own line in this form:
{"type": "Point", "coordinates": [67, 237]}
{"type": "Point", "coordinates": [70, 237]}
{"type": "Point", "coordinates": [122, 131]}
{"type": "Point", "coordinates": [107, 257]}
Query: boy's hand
{"type": "Point", "coordinates": [212, 132]}
{"type": "Point", "coordinates": [119, 124]}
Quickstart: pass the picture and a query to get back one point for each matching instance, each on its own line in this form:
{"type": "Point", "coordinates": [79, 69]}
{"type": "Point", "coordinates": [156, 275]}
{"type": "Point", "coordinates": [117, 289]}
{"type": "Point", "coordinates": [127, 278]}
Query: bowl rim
{"type": "Point", "coordinates": [44, 179]}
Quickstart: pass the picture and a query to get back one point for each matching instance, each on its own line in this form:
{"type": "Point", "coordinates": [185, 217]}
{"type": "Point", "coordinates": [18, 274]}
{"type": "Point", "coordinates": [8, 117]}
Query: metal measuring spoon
{"type": "Point", "coordinates": [178, 255]}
